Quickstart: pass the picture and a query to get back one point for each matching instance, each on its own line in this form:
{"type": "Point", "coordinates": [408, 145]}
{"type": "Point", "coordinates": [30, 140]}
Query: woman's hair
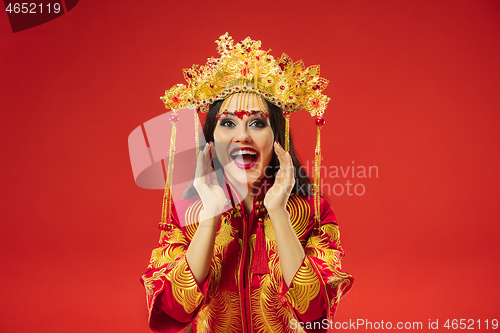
{"type": "Point", "coordinates": [303, 184]}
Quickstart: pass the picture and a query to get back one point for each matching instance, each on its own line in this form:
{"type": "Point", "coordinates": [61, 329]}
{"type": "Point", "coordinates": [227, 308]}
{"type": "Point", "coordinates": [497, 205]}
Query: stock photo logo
{"type": "Point", "coordinates": [26, 15]}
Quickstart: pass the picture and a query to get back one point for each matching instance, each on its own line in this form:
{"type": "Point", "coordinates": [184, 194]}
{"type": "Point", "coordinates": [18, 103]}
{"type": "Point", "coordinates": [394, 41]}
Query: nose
{"type": "Point", "coordinates": [242, 134]}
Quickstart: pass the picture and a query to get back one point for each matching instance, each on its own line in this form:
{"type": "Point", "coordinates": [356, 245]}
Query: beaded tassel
{"type": "Point", "coordinates": [196, 137]}
{"type": "Point", "coordinates": [317, 164]}
{"type": "Point", "coordinates": [287, 130]}
{"type": "Point", "coordinates": [260, 259]}
{"type": "Point", "coordinates": [167, 196]}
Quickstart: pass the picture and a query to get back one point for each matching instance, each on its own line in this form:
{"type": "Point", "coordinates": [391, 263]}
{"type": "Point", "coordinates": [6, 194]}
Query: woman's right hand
{"type": "Point", "coordinates": [212, 196]}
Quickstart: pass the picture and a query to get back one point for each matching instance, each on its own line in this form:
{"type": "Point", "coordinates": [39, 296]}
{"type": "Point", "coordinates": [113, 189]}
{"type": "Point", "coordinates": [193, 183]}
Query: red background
{"type": "Point", "coordinates": [414, 90]}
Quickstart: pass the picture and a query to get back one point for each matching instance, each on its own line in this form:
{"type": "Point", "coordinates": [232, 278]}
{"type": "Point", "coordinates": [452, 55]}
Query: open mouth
{"type": "Point", "coordinates": [244, 157]}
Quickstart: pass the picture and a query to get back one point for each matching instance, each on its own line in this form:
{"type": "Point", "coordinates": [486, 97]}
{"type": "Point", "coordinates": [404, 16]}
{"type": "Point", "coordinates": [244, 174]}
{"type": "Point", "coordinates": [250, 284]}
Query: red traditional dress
{"type": "Point", "coordinates": [233, 298]}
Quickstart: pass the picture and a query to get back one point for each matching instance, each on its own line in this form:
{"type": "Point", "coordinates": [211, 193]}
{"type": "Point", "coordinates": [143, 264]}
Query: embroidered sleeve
{"type": "Point", "coordinates": [173, 295]}
{"type": "Point", "coordinates": [319, 283]}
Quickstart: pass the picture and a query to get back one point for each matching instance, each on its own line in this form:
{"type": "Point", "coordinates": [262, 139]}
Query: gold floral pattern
{"type": "Point", "coordinates": [272, 304]}
{"type": "Point", "coordinates": [184, 287]}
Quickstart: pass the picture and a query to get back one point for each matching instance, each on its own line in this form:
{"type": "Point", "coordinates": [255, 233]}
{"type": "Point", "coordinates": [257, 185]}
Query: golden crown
{"type": "Point", "coordinates": [245, 67]}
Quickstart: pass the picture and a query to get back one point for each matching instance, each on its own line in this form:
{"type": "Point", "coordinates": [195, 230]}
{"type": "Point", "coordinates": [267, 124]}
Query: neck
{"type": "Point", "coordinates": [247, 192]}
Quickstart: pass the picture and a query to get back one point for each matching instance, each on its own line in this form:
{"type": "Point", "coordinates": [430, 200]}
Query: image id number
{"type": "Point", "coordinates": [33, 8]}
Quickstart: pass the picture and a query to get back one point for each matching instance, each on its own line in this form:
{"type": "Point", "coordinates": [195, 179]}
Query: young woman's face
{"type": "Point", "coordinates": [244, 146]}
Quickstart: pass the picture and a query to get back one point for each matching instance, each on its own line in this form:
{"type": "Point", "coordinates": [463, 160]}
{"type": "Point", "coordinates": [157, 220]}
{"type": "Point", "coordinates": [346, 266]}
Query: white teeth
{"type": "Point", "coordinates": [243, 152]}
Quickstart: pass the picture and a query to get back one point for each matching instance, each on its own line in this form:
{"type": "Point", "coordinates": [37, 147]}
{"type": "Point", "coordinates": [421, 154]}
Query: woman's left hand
{"type": "Point", "coordinates": [277, 196]}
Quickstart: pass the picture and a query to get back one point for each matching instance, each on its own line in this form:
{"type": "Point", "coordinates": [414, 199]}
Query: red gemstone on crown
{"type": "Point", "coordinates": [173, 118]}
{"type": "Point", "coordinates": [320, 121]}
{"type": "Point", "coordinates": [176, 99]}
{"type": "Point", "coordinates": [315, 87]}
{"type": "Point", "coordinates": [241, 113]}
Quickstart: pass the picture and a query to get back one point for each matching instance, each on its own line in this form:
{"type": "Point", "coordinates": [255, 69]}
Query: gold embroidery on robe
{"type": "Point", "coordinates": [221, 314]}
{"type": "Point", "coordinates": [192, 218]}
{"type": "Point", "coordinates": [271, 310]}
{"type": "Point", "coordinates": [184, 287]}
{"type": "Point", "coordinates": [224, 235]}
{"type": "Point", "coordinates": [305, 287]}
{"type": "Point", "coordinates": [300, 213]}
{"type": "Point", "coordinates": [320, 248]}
{"type": "Point", "coordinates": [175, 247]}
{"type": "Point", "coordinates": [148, 282]}
{"type": "Point", "coordinates": [270, 315]}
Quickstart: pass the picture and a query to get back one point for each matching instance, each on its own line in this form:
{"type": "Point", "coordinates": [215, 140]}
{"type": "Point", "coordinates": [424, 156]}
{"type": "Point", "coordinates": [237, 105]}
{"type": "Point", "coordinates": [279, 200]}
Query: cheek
{"type": "Point", "coordinates": [217, 134]}
{"type": "Point", "coordinates": [267, 146]}
{"type": "Point", "coordinates": [223, 135]}
{"type": "Point", "coordinates": [221, 142]}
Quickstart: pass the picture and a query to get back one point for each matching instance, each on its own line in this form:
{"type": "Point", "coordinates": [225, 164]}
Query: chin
{"type": "Point", "coordinates": [243, 176]}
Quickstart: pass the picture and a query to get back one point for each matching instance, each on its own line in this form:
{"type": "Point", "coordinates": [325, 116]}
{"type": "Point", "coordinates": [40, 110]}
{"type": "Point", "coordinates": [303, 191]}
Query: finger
{"type": "Point", "coordinates": [278, 177]}
{"type": "Point", "coordinates": [291, 173]}
{"type": "Point", "coordinates": [285, 174]}
{"type": "Point", "coordinates": [213, 179]}
{"type": "Point", "coordinates": [201, 167]}
{"type": "Point", "coordinates": [280, 153]}
{"type": "Point", "coordinates": [288, 175]}
{"type": "Point", "coordinates": [279, 147]}
{"type": "Point", "coordinates": [199, 164]}
{"type": "Point", "coordinates": [211, 151]}
{"type": "Point", "coordinates": [289, 165]}
{"type": "Point", "coordinates": [285, 161]}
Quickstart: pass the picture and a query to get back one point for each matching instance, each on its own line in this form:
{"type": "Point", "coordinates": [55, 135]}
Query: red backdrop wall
{"type": "Point", "coordinates": [414, 90]}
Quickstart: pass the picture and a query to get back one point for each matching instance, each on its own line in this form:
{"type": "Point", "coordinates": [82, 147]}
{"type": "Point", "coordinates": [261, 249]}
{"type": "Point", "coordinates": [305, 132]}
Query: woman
{"type": "Point", "coordinates": [244, 252]}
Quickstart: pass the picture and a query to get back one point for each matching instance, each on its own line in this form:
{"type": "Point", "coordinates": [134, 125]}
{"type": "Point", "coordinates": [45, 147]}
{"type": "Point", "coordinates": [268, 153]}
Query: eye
{"type": "Point", "coordinates": [258, 123]}
{"type": "Point", "coordinates": [227, 123]}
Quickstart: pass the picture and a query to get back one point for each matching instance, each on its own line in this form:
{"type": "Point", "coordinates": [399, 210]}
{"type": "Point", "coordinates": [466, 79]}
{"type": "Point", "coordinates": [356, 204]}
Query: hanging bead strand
{"type": "Point", "coordinates": [196, 136]}
{"type": "Point", "coordinates": [317, 165]}
{"type": "Point", "coordinates": [287, 130]}
{"type": "Point", "coordinates": [167, 197]}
